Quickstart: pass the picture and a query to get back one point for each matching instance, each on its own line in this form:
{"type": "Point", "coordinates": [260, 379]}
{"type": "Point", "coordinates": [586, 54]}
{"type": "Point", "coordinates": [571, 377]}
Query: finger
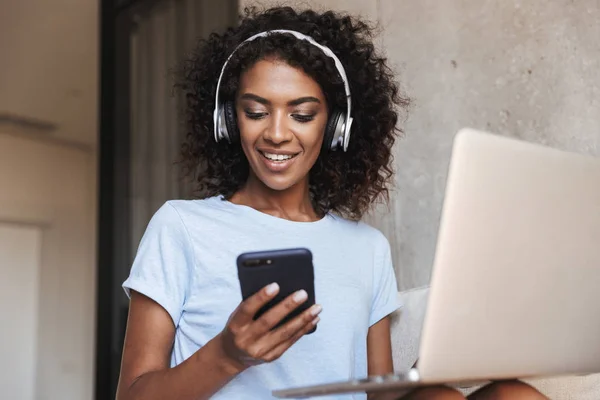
{"type": "Point", "coordinates": [285, 345]}
{"type": "Point", "coordinates": [292, 327]}
{"type": "Point", "coordinates": [249, 307]}
{"type": "Point", "coordinates": [272, 317]}
{"type": "Point", "coordinates": [272, 339]}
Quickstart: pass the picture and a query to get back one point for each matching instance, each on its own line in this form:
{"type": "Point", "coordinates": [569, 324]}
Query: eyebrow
{"type": "Point", "coordinates": [305, 99]}
{"type": "Point", "coordinates": [295, 102]}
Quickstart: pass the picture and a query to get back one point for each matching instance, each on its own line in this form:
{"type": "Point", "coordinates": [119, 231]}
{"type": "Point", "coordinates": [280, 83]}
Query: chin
{"type": "Point", "coordinates": [278, 181]}
{"type": "Point", "coordinates": [278, 185]}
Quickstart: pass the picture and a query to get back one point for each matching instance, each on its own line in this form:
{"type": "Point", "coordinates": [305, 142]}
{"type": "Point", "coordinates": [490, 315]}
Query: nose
{"type": "Point", "coordinates": [277, 131]}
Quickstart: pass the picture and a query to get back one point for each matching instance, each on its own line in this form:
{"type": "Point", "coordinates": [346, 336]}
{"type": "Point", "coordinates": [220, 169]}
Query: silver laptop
{"type": "Point", "coordinates": [515, 288]}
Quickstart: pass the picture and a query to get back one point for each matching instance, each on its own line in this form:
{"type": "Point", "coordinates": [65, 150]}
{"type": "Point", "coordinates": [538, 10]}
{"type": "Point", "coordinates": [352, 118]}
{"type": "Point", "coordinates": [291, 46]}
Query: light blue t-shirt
{"type": "Point", "coordinates": [186, 262]}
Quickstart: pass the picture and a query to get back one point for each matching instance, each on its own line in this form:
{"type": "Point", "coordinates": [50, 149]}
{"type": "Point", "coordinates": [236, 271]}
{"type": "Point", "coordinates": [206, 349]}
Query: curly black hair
{"type": "Point", "coordinates": [346, 183]}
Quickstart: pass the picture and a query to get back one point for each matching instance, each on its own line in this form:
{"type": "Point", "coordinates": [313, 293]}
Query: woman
{"type": "Point", "coordinates": [269, 117]}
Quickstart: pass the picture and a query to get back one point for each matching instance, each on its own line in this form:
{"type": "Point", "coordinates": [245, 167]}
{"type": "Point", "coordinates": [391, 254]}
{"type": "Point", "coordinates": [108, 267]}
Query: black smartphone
{"type": "Point", "coordinates": [291, 269]}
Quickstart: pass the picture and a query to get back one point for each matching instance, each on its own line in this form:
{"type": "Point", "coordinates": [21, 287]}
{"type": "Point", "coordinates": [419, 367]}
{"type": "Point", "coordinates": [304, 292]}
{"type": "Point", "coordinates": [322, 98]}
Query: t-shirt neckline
{"type": "Point", "coordinates": [271, 219]}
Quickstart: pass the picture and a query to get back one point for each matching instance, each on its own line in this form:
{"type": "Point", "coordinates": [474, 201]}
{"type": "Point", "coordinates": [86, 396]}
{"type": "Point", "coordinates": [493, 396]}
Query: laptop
{"type": "Point", "coordinates": [515, 286]}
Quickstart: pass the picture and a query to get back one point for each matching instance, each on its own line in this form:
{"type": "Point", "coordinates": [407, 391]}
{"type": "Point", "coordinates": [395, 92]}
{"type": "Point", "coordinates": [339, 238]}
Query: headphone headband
{"type": "Point", "coordinates": [343, 140]}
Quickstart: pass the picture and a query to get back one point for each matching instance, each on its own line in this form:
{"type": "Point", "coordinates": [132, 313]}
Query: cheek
{"type": "Point", "coordinates": [249, 132]}
{"type": "Point", "coordinates": [312, 136]}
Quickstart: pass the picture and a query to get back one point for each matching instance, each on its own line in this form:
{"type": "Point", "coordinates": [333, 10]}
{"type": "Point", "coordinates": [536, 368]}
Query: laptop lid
{"type": "Point", "coordinates": [515, 288]}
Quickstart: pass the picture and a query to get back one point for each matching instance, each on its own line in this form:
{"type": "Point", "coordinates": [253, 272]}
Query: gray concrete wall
{"type": "Point", "coordinates": [524, 69]}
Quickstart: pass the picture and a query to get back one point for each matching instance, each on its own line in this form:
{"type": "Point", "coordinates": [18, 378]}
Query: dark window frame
{"type": "Point", "coordinates": [114, 250]}
{"type": "Point", "coordinates": [116, 23]}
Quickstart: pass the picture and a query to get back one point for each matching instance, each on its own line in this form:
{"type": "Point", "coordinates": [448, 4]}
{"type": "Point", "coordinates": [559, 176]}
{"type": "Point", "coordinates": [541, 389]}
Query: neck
{"type": "Point", "coordinates": [293, 203]}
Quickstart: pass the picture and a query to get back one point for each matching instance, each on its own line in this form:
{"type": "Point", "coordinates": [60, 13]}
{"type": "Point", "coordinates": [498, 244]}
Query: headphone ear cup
{"type": "Point", "coordinates": [334, 125]}
{"type": "Point", "coordinates": [231, 121]}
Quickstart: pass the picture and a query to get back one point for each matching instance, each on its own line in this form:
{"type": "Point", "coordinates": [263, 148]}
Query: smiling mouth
{"type": "Point", "coordinates": [278, 157]}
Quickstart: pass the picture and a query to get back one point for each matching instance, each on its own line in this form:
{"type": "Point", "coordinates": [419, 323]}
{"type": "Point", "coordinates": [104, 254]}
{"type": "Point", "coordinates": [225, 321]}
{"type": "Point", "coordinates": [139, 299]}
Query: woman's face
{"type": "Point", "coordinates": [281, 115]}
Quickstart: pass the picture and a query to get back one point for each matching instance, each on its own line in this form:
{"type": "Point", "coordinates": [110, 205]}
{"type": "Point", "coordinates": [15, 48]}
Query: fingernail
{"type": "Point", "coordinates": [300, 295]}
{"type": "Point", "coordinates": [316, 310]}
{"type": "Point", "coordinates": [316, 321]}
{"type": "Point", "coordinates": [272, 288]}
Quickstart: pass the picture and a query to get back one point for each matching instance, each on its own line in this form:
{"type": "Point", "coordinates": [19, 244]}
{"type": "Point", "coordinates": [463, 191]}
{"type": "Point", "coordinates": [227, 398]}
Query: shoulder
{"type": "Point", "coordinates": [196, 205]}
{"type": "Point", "coordinates": [192, 209]}
{"type": "Point", "coordinates": [176, 215]}
{"type": "Point", "coordinates": [362, 231]}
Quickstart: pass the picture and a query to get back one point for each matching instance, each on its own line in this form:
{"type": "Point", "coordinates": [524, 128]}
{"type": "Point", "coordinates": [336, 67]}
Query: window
{"type": "Point", "coordinates": [140, 135]}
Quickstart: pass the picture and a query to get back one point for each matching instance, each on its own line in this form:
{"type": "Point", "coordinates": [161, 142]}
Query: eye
{"type": "Point", "coordinates": [255, 115]}
{"type": "Point", "coordinates": [303, 118]}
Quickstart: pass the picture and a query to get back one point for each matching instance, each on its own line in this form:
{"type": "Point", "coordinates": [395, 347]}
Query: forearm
{"type": "Point", "coordinates": [197, 378]}
{"type": "Point", "coordinates": [393, 395]}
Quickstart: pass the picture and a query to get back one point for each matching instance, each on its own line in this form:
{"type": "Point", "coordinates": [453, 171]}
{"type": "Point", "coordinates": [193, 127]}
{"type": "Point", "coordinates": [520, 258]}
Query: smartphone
{"type": "Point", "coordinates": [291, 269]}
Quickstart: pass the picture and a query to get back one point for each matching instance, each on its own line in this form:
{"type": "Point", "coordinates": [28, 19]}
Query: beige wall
{"type": "Point", "coordinates": [49, 74]}
{"type": "Point", "coordinates": [366, 8]}
{"type": "Point", "coordinates": [52, 187]}
{"type": "Point", "coordinates": [49, 64]}
{"type": "Point", "coordinates": [524, 69]}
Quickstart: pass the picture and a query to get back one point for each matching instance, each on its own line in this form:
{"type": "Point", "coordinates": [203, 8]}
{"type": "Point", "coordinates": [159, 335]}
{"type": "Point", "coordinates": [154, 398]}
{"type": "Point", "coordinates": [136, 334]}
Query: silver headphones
{"type": "Point", "coordinates": [337, 131]}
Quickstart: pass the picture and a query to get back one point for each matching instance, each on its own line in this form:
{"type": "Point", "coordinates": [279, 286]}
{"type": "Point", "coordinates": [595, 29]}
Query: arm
{"type": "Point", "coordinates": [379, 348]}
{"type": "Point", "coordinates": [379, 351]}
{"type": "Point", "coordinates": [145, 372]}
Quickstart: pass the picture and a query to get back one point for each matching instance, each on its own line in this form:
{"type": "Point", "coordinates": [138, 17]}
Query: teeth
{"type": "Point", "coordinates": [277, 157]}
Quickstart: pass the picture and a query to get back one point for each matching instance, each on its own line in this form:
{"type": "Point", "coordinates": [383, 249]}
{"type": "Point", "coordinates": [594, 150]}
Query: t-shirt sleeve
{"type": "Point", "coordinates": [385, 288]}
{"type": "Point", "coordinates": [164, 262]}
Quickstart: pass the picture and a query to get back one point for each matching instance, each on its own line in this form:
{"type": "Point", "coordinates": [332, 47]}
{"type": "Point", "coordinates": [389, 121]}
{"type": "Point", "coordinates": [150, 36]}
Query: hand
{"type": "Point", "coordinates": [246, 342]}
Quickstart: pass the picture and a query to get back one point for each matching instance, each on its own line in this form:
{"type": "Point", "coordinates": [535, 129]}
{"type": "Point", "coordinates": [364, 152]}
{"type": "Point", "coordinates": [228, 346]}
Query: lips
{"type": "Point", "coordinates": [277, 157]}
{"type": "Point", "coordinates": [277, 161]}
